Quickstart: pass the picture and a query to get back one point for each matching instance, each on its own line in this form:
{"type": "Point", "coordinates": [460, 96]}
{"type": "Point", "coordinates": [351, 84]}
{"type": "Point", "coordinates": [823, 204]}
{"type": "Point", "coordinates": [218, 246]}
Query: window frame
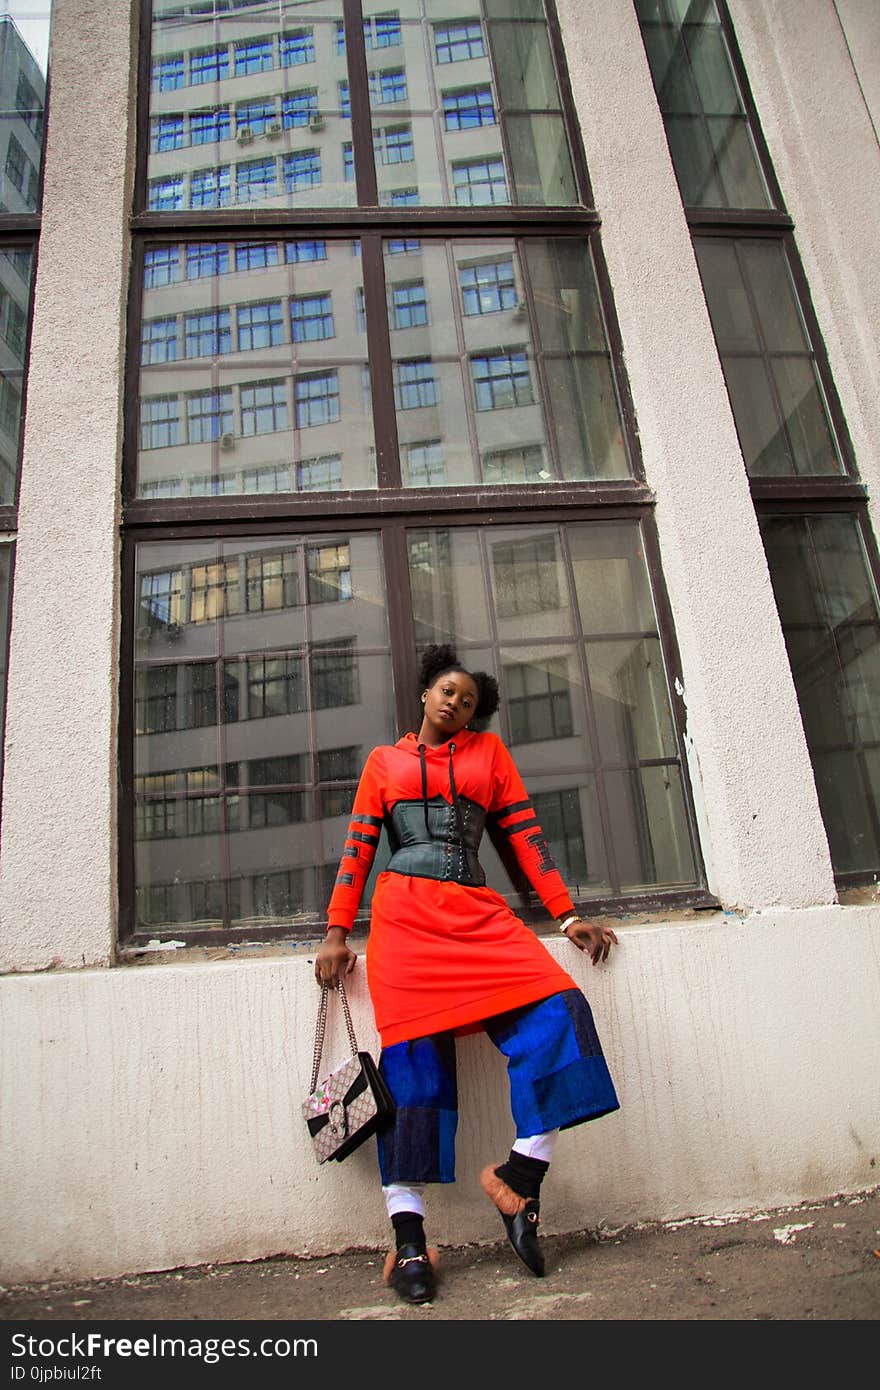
{"type": "Point", "coordinates": [390, 509]}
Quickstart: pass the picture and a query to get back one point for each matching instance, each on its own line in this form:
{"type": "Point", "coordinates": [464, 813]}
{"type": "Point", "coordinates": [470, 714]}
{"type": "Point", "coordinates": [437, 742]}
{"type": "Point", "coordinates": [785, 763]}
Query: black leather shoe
{"type": "Point", "coordinates": [410, 1273]}
{"type": "Point", "coordinates": [522, 1232]}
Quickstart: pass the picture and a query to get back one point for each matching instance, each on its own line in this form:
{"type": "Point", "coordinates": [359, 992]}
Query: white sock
{"type": "Point", "coordinates": [537, 1145]}
{"type": "Point", "coordinates": [404, 1197]}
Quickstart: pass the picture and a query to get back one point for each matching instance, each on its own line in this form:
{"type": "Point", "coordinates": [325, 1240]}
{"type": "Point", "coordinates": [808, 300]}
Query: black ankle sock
{"type": "Point", "coordinates": [523, 1174]}
{"type": "Point", "coordinates": [409, 1229]}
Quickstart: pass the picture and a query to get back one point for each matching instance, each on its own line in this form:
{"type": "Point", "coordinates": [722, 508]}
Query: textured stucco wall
{"type": "Point", "coordinates": [58, 866]}
{"type": "Point", "coordinates": [151, 1114]}
{"type": "Point", "coordinates": [737, 683]}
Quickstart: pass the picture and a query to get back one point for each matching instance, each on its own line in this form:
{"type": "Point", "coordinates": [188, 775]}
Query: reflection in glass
{"type": "Point", "coordinates": [778, 404]}
{"type": "Point", "coordinates": [24, 42]}
{"type": "Point", "coordinates": [707, 126]}
{"type": "Point", "coordinates": [502, 364]}
{"type": "Point", "coordinates": [254, 107]}
{"type": "Point", "coordinates": [15, 305]}
{"type": "Point", "coordinates": [255, 658]}
{"type": "Point", "coordinates": [564, 616]}
{"type": "Point", "coordinates": [829, 611]}
{"type": "Point", "coordinates": [245, 108]}
{"type": "Point", "coordinates": [252, 354]}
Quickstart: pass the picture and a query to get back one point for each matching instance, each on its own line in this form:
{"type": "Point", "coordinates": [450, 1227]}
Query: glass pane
{"type": "Point", "coordinates": [16, 271]}
{"type": "Point", "coordinates": [542, 690]}
{"type": "Point", "coordinates": [630, 700]}
{"type": "Point", "coordinates": [253, 359]}
{"type": "Point", "coordinates": [611, 578]}
{"type": "Point", "coordinates": [775, 393]}
{"type": "Point", "coordinates": [774, 297]}
{"type": "Point", "coordinates": [806, 421]}
{"type": "Point", "coordinates": [724, 286]}
{"type": "Point", "coordinates": [756, 413]}
{"type": "Point", "coordinates": [712, 148]}
{"type": "Point", "coordinates": [532, 399]}
{"type": "Point", "coordinates": [649, 828]}
{"type": "Point", "coordinates": [446, 578]}
{"type": "Point", "coordinates": [831, 621]}
{"type": "Point", "coordinates": [246, 109]}
{"type": "Point", "coordinates": [518, 601]}
{"type": "Point", "coordinates": [24, 51]}
{"type": "Point", "coordinates": [255, 658]}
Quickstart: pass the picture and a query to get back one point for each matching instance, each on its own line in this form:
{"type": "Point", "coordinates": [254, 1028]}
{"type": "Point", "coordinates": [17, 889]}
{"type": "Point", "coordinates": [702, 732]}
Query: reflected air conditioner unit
{"type": "Point", "coordinates": [522, 309]}
{"type": "Point", "coordinates": [245, 135]}
{"type": "Point", "coordinates": [316, 123]}
{"type": "Point", "coordinates": [144, 633]}
{"type": "Point", "coordinates": [227, 441]}
{"type": "Point", "coordinates": [273, 129]}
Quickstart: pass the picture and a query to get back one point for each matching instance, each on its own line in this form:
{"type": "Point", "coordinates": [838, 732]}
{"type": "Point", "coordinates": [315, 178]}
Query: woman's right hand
{"type": "Point", "coordinates": [334, 960]}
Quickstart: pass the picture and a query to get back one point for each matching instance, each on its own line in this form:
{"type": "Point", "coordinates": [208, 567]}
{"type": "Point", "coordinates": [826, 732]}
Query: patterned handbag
{"type": "Point", "coordinates": [350, 1104]}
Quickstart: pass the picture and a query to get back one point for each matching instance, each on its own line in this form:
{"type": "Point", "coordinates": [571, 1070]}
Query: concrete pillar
{"type": "Point", "coordinates": [58, 863]}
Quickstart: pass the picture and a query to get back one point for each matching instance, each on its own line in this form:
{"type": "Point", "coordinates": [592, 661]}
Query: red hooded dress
{"type": "Point", "coordinates": [444, 954]}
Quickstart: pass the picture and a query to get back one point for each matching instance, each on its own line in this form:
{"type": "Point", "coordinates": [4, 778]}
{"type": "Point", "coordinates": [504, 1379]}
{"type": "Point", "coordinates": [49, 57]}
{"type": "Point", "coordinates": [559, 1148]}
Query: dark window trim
{"type": "Point", "coordinates": [390, 510]}
{"type": "Point", "coordinates": [392, 536]}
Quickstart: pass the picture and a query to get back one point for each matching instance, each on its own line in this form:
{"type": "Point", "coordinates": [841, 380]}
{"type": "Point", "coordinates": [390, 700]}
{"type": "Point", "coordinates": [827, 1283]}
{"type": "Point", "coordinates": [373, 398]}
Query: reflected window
{"type": "Point", "coordinates": [311, 318]}
{"type": "Point", "coordinates": [208, 415]}
{"type": "Point", "coordinates": [317, 399]}
{"type": "Point", "coordinates": [539, 702]}
{"type": "Point", "coordinates": [526, 577]}
{"type": "Point", "coordinates": [296, 47]}
{"type": "Point", "coordinates": [209, 126]}
{"type": "Point", "coordinates": [320, 474]}
{"type": "Point", "coordinates": [208, 65]}
{"type": "Point", "coordinates": [469, 108]}
{"type": "Point", "coordinates": [409, 305]}
{"type": "Point", "coordinates": [264, 407]}
{"type": "Point", "coordinates": [488, 288]}
{"type": "Point", "coordinates": [260, 326]}
{"type": "Point", "coordinates": [329, 573]}
{"type": "Point", "coordinates": [501, 380]}
{"type": "Point", "coordinates": [415, 384]}
{"type": "Point", "coordinates": [253, 55]}
{"type": "Point", "coordinates": [479, 182]}
{"type": "Point", "coordinates": [455, 43]}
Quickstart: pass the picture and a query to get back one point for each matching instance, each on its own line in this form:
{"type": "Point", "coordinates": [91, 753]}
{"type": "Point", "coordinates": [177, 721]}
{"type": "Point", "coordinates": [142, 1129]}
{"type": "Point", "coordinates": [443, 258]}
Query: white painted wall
{"type": "Point", "coordinates": [151, 1115]}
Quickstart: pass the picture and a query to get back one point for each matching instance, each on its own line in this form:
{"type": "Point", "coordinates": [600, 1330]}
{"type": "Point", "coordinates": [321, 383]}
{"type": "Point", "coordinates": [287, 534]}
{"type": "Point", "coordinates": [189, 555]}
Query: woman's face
{"type": "Point", "coordinates": [450, 702]}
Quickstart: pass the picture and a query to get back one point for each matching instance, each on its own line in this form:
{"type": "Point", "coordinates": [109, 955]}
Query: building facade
{"type": "Point", "coordinates": [545, 329]}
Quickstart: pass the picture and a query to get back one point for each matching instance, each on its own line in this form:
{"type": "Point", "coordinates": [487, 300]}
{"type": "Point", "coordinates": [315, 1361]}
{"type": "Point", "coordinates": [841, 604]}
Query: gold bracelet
{"type": "Point", "coordinates": [564, 926]}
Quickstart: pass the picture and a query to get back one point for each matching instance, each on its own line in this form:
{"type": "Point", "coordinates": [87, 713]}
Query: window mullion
{"type": "Point", "coordinates": [359, 99]}
{"type": "Point", "coordinates": [379, 356]}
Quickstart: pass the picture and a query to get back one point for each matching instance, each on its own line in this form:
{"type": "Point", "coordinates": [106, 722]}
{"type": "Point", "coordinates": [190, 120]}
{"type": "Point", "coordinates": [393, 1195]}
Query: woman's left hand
{"type": "Point", "coordinates": [592, 937]}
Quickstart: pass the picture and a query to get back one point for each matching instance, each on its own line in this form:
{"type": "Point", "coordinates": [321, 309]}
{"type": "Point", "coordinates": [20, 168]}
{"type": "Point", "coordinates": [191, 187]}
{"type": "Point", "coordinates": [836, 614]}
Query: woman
{"type": "Point", "coordinates": [447, 956]}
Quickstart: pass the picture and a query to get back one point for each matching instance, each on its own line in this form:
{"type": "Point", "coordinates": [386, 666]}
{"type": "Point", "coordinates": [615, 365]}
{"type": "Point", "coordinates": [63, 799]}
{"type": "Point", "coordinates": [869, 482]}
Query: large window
{"type": "Point", "coordinates": [307, 484]}
{"type": "Point", "coordinates": [795, 448]}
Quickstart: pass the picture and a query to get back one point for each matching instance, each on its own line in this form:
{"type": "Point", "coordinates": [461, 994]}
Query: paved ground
{"type": "Point", "coordinates": [810, 1262]}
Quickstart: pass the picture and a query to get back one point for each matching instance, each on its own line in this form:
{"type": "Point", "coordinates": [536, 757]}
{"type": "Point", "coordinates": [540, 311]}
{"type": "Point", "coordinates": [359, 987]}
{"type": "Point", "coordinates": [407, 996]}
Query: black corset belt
{"type": "Point", "coordinates": [434, 839]}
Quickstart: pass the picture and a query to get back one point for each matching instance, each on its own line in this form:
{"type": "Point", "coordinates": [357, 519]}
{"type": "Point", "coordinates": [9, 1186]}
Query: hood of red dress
{"type": "Point", "coordinates": [410, 744]}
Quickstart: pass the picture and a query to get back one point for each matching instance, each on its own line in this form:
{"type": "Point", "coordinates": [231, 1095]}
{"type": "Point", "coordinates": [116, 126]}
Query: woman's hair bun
{"type": "Point", "coordinates": [441, 657]}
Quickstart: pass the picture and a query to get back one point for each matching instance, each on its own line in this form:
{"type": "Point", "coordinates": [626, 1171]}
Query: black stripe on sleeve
{"type": "Point", "coordinates": [367, 839]}
{"type": "Point", "coordinates": [368, 820]}
{"type": "Point", "coordinates": [514, 806]}
{"type": "Point", "coordinates": [345, 880]}
{"type": "Point", "coordinates": [350, 852]}
{"type": "Point", "coordinates": [519, 825]}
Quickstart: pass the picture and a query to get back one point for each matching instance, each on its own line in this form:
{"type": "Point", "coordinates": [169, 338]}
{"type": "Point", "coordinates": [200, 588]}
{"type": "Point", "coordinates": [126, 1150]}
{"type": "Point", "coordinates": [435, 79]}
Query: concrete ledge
{"type": "Point", "coordinates": [152, 1114]}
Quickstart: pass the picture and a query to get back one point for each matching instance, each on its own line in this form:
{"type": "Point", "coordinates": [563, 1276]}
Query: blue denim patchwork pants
{"type": "Point", "coordinates": [558, 1078]}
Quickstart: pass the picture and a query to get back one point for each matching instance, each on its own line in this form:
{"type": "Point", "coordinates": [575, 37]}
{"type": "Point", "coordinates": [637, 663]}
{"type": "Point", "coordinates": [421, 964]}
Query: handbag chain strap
{"type": "Point", "coordinates": [321, 1026]}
